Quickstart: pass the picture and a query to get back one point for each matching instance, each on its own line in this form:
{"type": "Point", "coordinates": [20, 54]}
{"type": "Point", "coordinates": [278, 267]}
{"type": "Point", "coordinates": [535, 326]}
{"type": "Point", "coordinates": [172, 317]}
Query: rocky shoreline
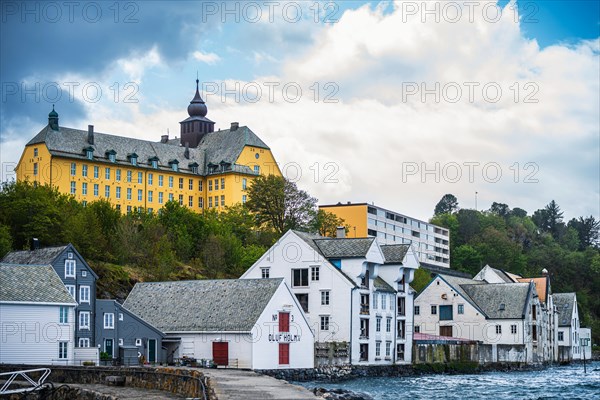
{"type": "Point", "coordinates": [340, 394]}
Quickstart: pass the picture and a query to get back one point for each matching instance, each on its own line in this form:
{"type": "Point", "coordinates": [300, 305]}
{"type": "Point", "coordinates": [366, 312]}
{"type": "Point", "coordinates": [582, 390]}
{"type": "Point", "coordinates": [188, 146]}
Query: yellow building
{"type": "Point", "coordinates": [203, 169]}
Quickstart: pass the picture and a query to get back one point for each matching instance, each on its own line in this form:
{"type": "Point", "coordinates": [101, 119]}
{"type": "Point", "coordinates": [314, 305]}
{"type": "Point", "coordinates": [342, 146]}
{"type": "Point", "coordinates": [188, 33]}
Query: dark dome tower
{"type": "Point", "coordinates": [196, 125]}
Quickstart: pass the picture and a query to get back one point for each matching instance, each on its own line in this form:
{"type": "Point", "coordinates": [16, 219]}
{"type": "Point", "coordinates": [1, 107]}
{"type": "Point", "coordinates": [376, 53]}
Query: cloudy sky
{"type": "Point", "coordinates": [395, 103]}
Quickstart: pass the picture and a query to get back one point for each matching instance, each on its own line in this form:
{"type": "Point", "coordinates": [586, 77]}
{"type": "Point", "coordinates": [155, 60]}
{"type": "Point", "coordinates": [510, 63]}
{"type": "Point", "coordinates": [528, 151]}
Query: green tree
{"type": "Point", "coordinates": [549, 219]}
{"type": "Point", "coordinates": [500, 209]}
{"type": "Point", "coordinates": [326, 223]}
{"type": "Point", "coordinates": [277, 203]}
{"type": "Point", "coordinates": [5, 240]}
{"type": "Point", "coordinates": [467, 259]}
{"type": "Point", "coordinates": [587, 231]}
{"type": "Point", "coordinates": [447, 205]}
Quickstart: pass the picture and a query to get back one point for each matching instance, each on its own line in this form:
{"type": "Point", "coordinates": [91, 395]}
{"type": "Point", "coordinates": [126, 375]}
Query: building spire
{"type": "Point", "coordinates": [53, 119]}
{"type": "Point", "coordinates": [197, 107]}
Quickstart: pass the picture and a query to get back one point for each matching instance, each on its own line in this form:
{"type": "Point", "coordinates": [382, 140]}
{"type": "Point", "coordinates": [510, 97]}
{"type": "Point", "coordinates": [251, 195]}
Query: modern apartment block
{"type": "Point", "coordinates": [430, 242]}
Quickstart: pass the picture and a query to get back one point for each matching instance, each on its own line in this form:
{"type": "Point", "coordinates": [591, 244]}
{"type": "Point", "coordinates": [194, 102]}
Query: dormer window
{"type": "Point", "coordinates": [89, 153]}
{"type": "Point", "coordinates": [133, 158]}
{"type": "Point", "coordinates": [174, 165]}
{"type": "Point", "coordinates": [111, 155]}
{"type": "Point", "coordinates": [194, 167]}
{"type": "Point", "coordinates": [153, 162]}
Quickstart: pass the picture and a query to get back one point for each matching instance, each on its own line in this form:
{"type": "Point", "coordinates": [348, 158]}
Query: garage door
{"type": "Point", "coordinates": [221, 353]}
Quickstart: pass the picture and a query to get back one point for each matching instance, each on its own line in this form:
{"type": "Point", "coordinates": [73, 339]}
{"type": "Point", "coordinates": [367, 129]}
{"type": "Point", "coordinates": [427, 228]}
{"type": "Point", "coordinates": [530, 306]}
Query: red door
{"type": "Point", "coordinates": [284, 353]}
{"type": "Point", "coordinates": [284, 322]}
{"type": "Point", "coordinates": [221, 353]}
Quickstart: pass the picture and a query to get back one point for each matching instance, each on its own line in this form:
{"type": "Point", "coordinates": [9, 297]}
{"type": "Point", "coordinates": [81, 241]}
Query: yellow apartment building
{"type": "Point", "coordinates": [204, 169]}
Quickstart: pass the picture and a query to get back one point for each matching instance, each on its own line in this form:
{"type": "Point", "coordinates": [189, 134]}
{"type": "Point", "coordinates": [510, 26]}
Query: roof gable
{"type": "Point", "coordinates": [202, 306]}
{"type": "Point", "coordinates": [394, 253]}
{"type": "Point", "coordinates": [344, 247]}
{"type": "Point", "coordinates": [490, 298]}
{"type": "Point", "coordinates": [32, 284]}
{"type": "Point", "coordinates": [564, 303]}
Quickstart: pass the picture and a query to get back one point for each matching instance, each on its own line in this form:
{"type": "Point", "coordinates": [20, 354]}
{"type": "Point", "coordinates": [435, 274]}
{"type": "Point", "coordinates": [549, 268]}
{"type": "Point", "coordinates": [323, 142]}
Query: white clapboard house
{"type": "Point", "coordinates": [37, 316]}
{"type": "Point", "coordinates": [354, 291]}
{"type": "Point", "coordinates": [256, 324]}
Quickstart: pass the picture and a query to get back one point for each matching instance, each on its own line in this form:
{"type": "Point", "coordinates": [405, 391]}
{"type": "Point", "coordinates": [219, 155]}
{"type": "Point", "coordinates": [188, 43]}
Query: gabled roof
{"type": "Point", "coordinates": [501, 274]}
{"type": "Point", "coordinates": [434, 269]}
{"type": "Point", "coordinates": [382, 285]}
{"type": "Point", "coordinates": [344, 247]}
{"type": "Point", "coordinates": [214, 147]}
{"type": "Point", "coordinates": [43, 256]}
{"type": "Point", "coordinates": [394, 253]}
{"type": "Point", "coordinates": [490, 298]}
{"type": "Point", "coordinates": [564, 303]}
{"type": "Point", "coordinates": [456, 283]}
{"type": "Point", "coordinates": [202, 306]}
{"type": "Point", "coordinates": [120, 307]}
{"type": "Point", "coordinates": [32, 283]}
{"type": "Point", "coordinates": [542, 286]}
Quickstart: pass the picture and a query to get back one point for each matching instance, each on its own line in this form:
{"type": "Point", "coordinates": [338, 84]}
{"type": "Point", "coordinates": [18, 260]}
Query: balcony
{"type": "Point", "coordinates": [364, 309]}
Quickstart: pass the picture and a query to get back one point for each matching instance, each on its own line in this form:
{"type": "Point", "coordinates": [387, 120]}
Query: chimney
{"type": "Point", "coordinates": [186, 153]}
{"type": "Point", "coordinates": [91, 134]}
{"type": "Point", "coordinates": [341, 232]}
{"type": "Point", "coordinates": [234, 126]}
{"type": "Point", "coordinates": [164, 138]}
{"type": "Point", "coordinates": [35, 244]}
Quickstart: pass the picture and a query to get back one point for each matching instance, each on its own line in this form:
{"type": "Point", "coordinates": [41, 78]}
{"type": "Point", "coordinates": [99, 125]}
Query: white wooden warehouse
{"type": "Point", "coordinates": [251, 323]}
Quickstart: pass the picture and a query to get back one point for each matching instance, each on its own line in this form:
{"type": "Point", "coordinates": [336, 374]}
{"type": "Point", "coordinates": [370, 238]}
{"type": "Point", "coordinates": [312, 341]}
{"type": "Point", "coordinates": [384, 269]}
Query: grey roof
{"type": "Point", "coordinates": [344, 247]}
{"type": "Point", "coordinates": [456, 282]}
{"type": "Point", "coordinates": [564, 305]}
{"type": "Point", "coordinates": [214, 148]}
{"type": "Point", "coordinates": [502, 275]}
{"type": "Point", "coordinates": [490, 297]}
{"type": "Point", "coordinates": [41, 256]}
{"type": "Point", "coordinates": [394, 253]}
{"type": "Point", "coordinates": [434, 269]}
{"type": "Point", "coordinates": [32, 283]}
{"type": "Point", "coordinates": [129, 312]}
{"type": "Point", "coordinates": [382, 285]}
{"type": "Point", "coordinates": [207, 305]}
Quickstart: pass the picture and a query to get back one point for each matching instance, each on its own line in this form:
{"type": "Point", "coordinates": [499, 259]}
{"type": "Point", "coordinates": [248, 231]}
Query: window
{"type": "Point", "coordinates": [433, 310]}
{"type": "Point", "coordinates": [84, 320]}
{"type": "Point", "coordinates": [191, 184]}
{"type": "Point", "coordinates": [364, 352]}
{"type": "Point", "coordinates": [498, 329]}
{"type": "Point", "coordinates": [180, 199]}
{"type": "Point", "coordinates": [128, 209]}
{"type": "Point", "coordinates": [216, 184]}
{"type": "Point", "coordinates": [222, 183]}
{"type": "Point", "coordinates": [388, 324]}
{"type": "Point", "coordinates": [170, 181]}
{"type": "Point", "coordinates": [222, 200]}
{"type": "Point", "coordinates": [402, 306]}
{"type": "Point", "coordinates": [150, 196]}
{"type": "Point", "coordinates": [96, 172]}
{"type": "Point", "coordinates": [96, 189]}
{"type": "Point", "coordinates": [84, 170]}
{"type": "Point", "coordinates": [150, 179]}
{"type": "Point", "coordinates": [175, 167]}
{"type": "Point", "coordinates": [417, 329]}
{"type": "Point", "coordinates": [73, 187]}
{"type": "Point", "coordinates": [401, 325]}
{"type": "Point", "coordinates": [513, 329]}
{"type": "Point", "coordinates": [265, 273]}
{"type": "Point", "coordinates": [364, 303]}
{"type": "Point", "coordinates": [244, 183]}
{"type": "Point", "coordinates": [118, 175]}
{"type": "Point", "coordinates": [84, 342]}
{"type": "Point", "coordinates": [446, 313]}
{"type": "Point", "coordinates": [284, 322]}
{"type": "Point", "coordinates": [191, 201]}
{"type": "Point", "coordinates": [256, 169]}
{"type": "Point", "coordinates": [107, 191]}
{"type": "Point", "coordinates": [133, 160]}
{"type": "Point", "coordinates": [180, 183]}
{"type": "Point", "coordinates": [364, 328]}
{"type": "Point", "coordinates": [378, 349]}
{"type": "Point", "coordinates": [160, 197]}
{"type": "Point", "coordinates": [128, 193]}
{"type": "Point", "coordinates": [107, 173]}
{"type": "Point", "coordinates": [170, 196]}
{"type": "Point", "coordinates": [303, 300]}
{"type": "Point", "coordinates": [63, 315]}
{"type": "Point", "coordinates": [35, 152]}
{"type": "Point", "coordinates": [84, 273]}
{"type": "Point", "coordinates": [35, 169]}
{"type": "Point", "coordinates": [244, 199]}
{"type": "Point", "coordinates": [561, 336]}
{"type": "Point", "coordinates": [118, 192]}
{"type": "Point", "coordinates": [300, 277]}
{"type": "Point", "coordinates": [129, 176]}
{"type": "Point", "coordinates": [216, 201]}
{"type": "Point", "coordinates": [461, 308]}
{"type": "Point", "coordinates": [140, 177]}
{"type": "Point", "coordinates": [209, 202]}
{"type": "Point", "coordinates": [210, 185]}
{"type": "Point", "coordinates": [314, 273]}
{"type": "Point", "coordinates": [388, 349]}
{"type": "Point", "coordinates": [375, 300]}
{"type": "Point", "coordinates": [325, 297]}
{"type": "Point", "coordinates": [109, 321]}
{"type": "Point", "coordinates": [138, 342]}
{"type": "Point", "coordinates": [160, 180]}
{"type": "Point", "coordinates": [73, 169]}
{"type": "Point", "coordinates": [200, 186]}
{"type": "Point", "coordinates": [71, 290]}
{"type": "Point", "coordinates": [364, 281]}
{"type": "Point", "coordinates": [63, 350]}
{"type": "Point", "coordinates": [325, 322]}
{"type": "Point", "coordinates": [383, 301]}
{"type": "Point", "coordinates": [534, 333]}
{"type": "Point", "coordinates": [284, 353]}
{"type": "Point", "coordinates": [70, 268]}
{"type": "Point", "coordinates": [392, 301]}
{"type": "Point", "coordinates": [140, 194]}
{"type": "Point", "coordinates": [155, 164]}
{"type": "Point", "coordinates": [200, 202]}
{"type": "Point", "coordinates": [400, 352]}
{"type": "Point", "coordinates": [378, 324]}
{"type": "Point", "coordinates": [84, 294]}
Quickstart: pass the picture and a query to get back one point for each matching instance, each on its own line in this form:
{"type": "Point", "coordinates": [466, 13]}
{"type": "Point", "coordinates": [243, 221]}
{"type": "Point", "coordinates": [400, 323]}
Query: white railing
{"type": "Point", "coordinates": [5, 389]}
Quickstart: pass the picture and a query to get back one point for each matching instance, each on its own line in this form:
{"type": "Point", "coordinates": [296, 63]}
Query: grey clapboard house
{"type": "Point", "coordinates": [77, 276]}
{"type": "Point", "coordinates": [119, 332]}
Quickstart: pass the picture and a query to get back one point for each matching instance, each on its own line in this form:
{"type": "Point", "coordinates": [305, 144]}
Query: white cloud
{"type": "Point", "coordinates": [208, 58]}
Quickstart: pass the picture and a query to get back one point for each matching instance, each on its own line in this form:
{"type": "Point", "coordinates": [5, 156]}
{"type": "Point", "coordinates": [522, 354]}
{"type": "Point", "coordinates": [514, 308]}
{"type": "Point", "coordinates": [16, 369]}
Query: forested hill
{"type": "Point", "coordinates": [180, 244]}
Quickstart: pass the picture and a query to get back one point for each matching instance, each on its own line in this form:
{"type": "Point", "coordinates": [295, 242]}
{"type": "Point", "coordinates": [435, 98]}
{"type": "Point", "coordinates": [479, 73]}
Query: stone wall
{"type": "Point", "coordinates": [445, 353]}
{"type": "Point", "coordinates": [186, 382]}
